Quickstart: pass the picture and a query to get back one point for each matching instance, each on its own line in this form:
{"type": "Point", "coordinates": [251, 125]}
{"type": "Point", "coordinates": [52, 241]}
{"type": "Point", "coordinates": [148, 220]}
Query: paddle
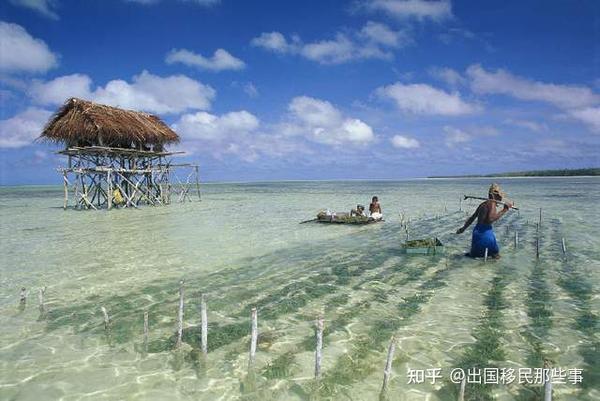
{"type": "Point", "coordinates": [497, 201]}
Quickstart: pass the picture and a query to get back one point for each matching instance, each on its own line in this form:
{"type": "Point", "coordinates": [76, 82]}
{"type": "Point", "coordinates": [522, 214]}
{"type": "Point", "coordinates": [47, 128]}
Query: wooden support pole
{"type": "Point", "coordinates": [485, 255]}
{"type": "Point", "coordinates": [66, 189]}
{"type": "Point", "coordinates": [253, 336]}
{"type": "Point", "coordinates": [461, 393]}
{"type": "Point", "coordinates": [41, 300]}
{"type": "Point", "coordinates": [388, 364]}
{"type": "Point", "coordinates": [109, 195]}
{"type": "Point", "coordinates": [537, 242]}
{"type": "Point", "coordinates": [516, 239]}
{"type": "Point", "coordinates": [106, 318]}
{"type": "Point", "coordinates": [198, 182]}
{"type": "Point", "coordinates": [23, 296]}
{"type": "Point", "coordinates": [203, 325]}
{"type": "Point", "coordinates": [547, 382]}
{"type": "Point", "coordinates": [146, 330]}
{"type": "Point", "coordinates": [540, 217]}
{"type": "Point", "coordinates": [319, 347]}
{"type": "Point", "coordinates": [460, 204]}
{"type": "Point", "coordinates": [564, 246]}
{"type": "Point", "coordinates": [180, 317]}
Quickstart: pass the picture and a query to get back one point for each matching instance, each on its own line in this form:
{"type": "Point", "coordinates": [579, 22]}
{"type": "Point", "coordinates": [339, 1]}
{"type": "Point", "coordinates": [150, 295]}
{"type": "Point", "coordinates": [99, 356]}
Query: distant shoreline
{"type": "Point", "coordinates": [581, 172]}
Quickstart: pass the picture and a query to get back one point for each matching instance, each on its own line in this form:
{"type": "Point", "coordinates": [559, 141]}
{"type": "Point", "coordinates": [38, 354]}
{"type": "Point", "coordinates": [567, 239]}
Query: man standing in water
{"type": "Point", "coordinates": [483, 234]}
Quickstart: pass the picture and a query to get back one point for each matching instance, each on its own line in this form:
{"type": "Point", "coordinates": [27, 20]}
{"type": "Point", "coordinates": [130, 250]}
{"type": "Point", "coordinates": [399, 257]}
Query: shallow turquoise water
{"type": "Point", "coordinates": [242, 246]}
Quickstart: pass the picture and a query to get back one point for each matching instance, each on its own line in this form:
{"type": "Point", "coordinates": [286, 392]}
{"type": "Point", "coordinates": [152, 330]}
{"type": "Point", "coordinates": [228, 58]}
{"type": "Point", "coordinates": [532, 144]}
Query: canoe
{"type": "Point", "coordinates": [345, 218]}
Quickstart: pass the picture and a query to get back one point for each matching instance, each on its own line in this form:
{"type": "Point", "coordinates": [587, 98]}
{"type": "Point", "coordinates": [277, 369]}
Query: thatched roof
{"type": "Point", "coordinates": [83, 123]}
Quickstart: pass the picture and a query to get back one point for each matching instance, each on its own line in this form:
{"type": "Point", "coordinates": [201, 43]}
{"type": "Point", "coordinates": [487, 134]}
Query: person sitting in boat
{"type": "Point", "coordinates": [359, 211]}
{"type": "Point", "coordinates": [375, 209]}
{"type": "Point", "coordinates": [483, 234]}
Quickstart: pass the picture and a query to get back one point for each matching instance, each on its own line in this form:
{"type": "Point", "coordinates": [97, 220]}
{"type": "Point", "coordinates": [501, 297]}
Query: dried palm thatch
{"type": "Point", "coordinates": [83, 123]}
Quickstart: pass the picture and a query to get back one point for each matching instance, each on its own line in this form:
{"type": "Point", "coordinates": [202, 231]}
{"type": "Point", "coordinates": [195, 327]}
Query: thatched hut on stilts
{"type": "Point", "coordinates": [116, 157]}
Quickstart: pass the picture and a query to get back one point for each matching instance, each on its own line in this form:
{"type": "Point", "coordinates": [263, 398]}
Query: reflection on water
{"type": "Point", "coordinates": [242, 246]}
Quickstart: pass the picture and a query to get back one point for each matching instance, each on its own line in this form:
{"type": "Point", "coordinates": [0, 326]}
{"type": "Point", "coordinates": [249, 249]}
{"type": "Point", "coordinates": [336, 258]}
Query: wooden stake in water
{"type": "Point", "coordinates": [203, 325]}
{"type": "Point", "coordinates": [537, 242]}
{"type": "Point", "coordinates": [463, 385]}
{"type": "Point", "coordinates": [460, 204]}
{"type": "Point", "coordinates": [145, 331]}
{"type": "Point", "coordinates": [253, 335]}
{"type": "Point", "coordinates": [106, 318]}
{"type": "Point", "coordinates": [485, 255]}
{"type": "Point", "coordinates": [564, 246]}
{"type": "Point", "coordinates": [23, 296]}
{"type": "Point", "coordinates": [319, 348]}
{"type": "Point", "coordinates": [180, 317]}
{"type": "Point", "coordinates": [540, 217]}
{"type": "Point", "coordinates": [547, 382]}
{"type": "Point", "coordinates": [41, 299]}
{"type": "Point", "coordinates": [388, 364]}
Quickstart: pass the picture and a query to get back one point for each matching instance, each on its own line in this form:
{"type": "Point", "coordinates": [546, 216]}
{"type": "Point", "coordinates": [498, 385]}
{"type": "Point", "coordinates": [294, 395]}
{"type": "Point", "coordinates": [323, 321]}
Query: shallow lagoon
{"type": "Point", "coordinates": [242, 246]}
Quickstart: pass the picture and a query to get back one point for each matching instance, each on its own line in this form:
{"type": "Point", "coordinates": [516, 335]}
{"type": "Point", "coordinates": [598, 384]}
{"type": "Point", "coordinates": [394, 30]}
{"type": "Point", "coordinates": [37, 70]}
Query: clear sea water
{"type": "Point", "coordinates": [242, 246]}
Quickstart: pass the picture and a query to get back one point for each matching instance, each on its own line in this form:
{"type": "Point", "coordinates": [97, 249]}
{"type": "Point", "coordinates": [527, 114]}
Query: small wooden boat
{"type": "Point", "coordinates": [342, 218]}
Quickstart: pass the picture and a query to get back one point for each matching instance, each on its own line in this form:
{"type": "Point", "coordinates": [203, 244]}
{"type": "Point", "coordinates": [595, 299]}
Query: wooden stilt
{"type": "Point", "coordinates": [461, 393]}
{"type": "Point", "coordinates": [180, 317]}
{"type": "Point", "coordinates": [319, 347]}
{"type": "Point", "coordinates": [203, 325]}
{"type": "Point", "coordinates": [388, 364]}
{"type": "Point", "coordinates": [540, 217]}
{"type": "Point", "coordinates": [106, 318]}
{"type": "Point", "coordinates": [537, 242]}
{"type": "Point", "coordinates": [66, 188]}
{"type": "Point", "coordinates": [198, 182]}
{"type": "Point", "coordinates": [146, 330]}
{"type": "Point", "coordinates": [253, 336]}
{"type": "Point", "coordinates": [547, 382]}
{"type": "Point", "coordinates": [41, 300]}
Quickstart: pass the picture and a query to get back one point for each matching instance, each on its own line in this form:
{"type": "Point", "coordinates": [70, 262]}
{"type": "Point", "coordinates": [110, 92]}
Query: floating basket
{"type": "Point", "coordinates": [428, 246]}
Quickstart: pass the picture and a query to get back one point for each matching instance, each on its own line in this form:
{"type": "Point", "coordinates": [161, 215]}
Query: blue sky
{"type": "Point", "coordinates": [269, 90]}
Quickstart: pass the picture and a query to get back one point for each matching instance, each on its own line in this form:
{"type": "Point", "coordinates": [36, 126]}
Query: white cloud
{"type": "Point", "coordinates": [404, 142]}
{"type": "Point", "coordinates": [455, 136]}
{"type": "Point", "coordinates": [44, 7]}
{"type": "Point", "coordinates": [372, 41]}
{"type": "Point", "coordinates": [210, 127]}
{"type": "Point", "coordinates": [220, 61]}
{"type": "Point", "coordinates": [503, 82]}
{"type": "Point", "coordinates": [23, 128]}
{"type": "Point", "coordinates": [273, 41]}
{"type": "Point", "coordinates": [321, 122]}
{"type": "Point", "coordinates": [425, 99]}
{"type": "Point", "coordinates": [589, 116]}
{"type": "Point", "coordinates": [419, 9]}
{"type": "Point", "coordinates": [20, 52]}
{"type": "Point", "coordinates": [251, 90]}
{"type": "Point", "coordinates": [447, 75]}
{"type": "Point", "coordinates": [380, 33]}
{"type": "Point", "coordinates": [148, 92]}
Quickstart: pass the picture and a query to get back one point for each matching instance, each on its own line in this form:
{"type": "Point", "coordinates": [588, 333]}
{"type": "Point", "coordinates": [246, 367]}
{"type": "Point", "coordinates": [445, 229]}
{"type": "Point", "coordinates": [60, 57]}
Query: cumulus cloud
{"type": "Point", "coordinates": [44, 7]}
{"type": "Point", "coordinates": [447, 75]}
{"type": "Point", "coordinates": [373, 41]}
{"type": "Point", "coordinates": [146, 91]}
{"type": "Point", "coordinates": [20, 52]}
{"type": "Point", "coordinates": [221, 60]}
{"type": "Point", "coordinates": [530, 125]}
{"type": "Point", "coordinates": [404, 142]}
{"type": "Point", "coordinates": [320, 121]}
{"type": "Point", "coordinates": [418, 9]}
{"type": "Point", "coordinates": [503, 82]}
{"type": "Point", "coordinates": [589, 116]}
{"type": "Point", "coordinates": [425, 99]}
{"type": "Point", "coordinates": [210, 127]}
{"type": "Point", "coordinates": [23, 128]}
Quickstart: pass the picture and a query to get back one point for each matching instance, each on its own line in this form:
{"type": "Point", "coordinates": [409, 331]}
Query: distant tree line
{"type": "Point", "coordinates": [536, 173]}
